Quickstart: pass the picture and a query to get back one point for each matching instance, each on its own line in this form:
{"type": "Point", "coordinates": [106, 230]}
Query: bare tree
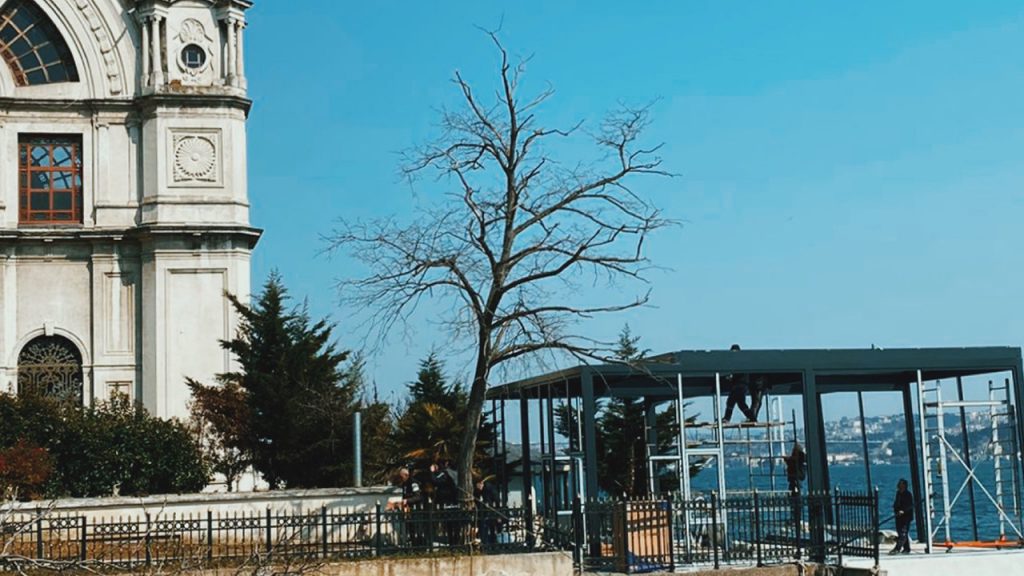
{"type": "Point", "coordinates": [511, 242]}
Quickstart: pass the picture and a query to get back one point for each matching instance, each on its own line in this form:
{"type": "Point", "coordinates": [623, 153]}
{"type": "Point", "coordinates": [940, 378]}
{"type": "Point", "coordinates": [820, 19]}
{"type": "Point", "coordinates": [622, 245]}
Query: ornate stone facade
{"type": "Point", "coordinates": [124, 214]}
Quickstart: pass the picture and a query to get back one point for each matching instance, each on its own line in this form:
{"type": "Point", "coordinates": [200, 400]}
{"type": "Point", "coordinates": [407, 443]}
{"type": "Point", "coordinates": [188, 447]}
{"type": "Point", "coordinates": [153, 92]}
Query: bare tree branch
{"type": "Point", "coordinates": [513, 233]}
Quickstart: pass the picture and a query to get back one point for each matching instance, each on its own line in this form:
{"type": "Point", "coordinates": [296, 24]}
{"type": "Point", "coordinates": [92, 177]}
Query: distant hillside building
{"type": "Point", "coordinates": [124, 213]}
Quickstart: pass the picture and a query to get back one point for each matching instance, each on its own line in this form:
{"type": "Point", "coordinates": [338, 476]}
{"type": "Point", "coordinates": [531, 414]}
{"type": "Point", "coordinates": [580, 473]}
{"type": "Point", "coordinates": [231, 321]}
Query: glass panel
{"type": "Point", "coordinates": [20, 47]}
{"type": "Point", "coordinates": [40, 156]}
{"type": "Point", "coordinates": [62, 180]}
{"type": "Point", "coordinates": [62, 200]}
{"type": "Point", "coordinates": [7, 33]}
{"type": "Point", "coordinates": [41, 181]}
{"type": "Point", "coordinates": [36, 77]}
{"type": "Point", "coordinates": [61, 155]}
{"type": "Point", "coordinates": [23, 17]}
{"type": "Point", "coordinates": [57, 73]}
{"type": "Point", "coordinates": [48, 53]}
{"type": "Point", "coordinates": [40, 201]}
{"type": "Point", "coordinates": [36, 35]}
{"type": "Point", "coordinates": [29, 41]}
{"type": "Point", "coordinates": [62, 216]}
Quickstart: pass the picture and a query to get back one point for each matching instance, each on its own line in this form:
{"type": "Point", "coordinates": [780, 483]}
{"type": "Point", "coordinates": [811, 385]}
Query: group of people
{"type": "Point", "coordinates": [437, 487]}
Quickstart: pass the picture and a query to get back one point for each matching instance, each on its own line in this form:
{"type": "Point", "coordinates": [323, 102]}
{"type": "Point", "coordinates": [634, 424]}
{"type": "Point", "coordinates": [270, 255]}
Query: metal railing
{"type": "Point", "coordinates": [625, 536]}
{"type": "Point", "coordinates": [199, 539]}
{"type": "Point", "coordinates": [753, 529]}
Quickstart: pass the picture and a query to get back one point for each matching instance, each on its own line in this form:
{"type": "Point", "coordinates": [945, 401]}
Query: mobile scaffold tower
{"type": "Point", "coordinates": [940, 455]}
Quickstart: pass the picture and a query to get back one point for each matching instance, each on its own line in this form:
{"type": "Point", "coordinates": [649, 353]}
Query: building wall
{"type": "Point", "coordinates": [138, 284]}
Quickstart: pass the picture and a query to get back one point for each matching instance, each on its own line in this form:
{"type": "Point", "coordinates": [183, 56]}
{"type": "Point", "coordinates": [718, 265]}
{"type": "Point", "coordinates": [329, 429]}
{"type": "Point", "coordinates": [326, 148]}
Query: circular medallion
{"type": "Point", "coordinates": [195, 157]}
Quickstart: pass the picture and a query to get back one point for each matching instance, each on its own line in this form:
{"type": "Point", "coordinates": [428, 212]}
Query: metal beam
{"type": "Point", "coordinates": [915, 471]}
{"type": "Point", "coordinates": [817, 458]}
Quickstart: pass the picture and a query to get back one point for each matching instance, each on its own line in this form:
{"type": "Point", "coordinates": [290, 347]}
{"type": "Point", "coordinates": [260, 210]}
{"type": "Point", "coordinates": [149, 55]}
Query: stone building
{"type": "Point", "coordinates": [124, 213]}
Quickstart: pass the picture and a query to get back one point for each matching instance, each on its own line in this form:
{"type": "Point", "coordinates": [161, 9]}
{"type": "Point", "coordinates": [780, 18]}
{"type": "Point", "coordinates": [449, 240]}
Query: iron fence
{"type": "Point", "coordinates": [743, 529]}
{"type": "Point", "coordinates": [208, 537]}
{"type": "Point", "coordinates": [625, 536]}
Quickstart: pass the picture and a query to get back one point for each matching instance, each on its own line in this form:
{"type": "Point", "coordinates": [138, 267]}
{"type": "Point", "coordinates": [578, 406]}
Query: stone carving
{"type": "Point", "coordinates": [192, 33]}
{"type": "Point", "coordinates": [104, 42]}
{"type": "Point", "coordinates": [195, 159]}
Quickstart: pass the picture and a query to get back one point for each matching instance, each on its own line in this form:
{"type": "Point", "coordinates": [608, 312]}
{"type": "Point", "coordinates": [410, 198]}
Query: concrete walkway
{"type": "Point", "coordinates": [959, 561]}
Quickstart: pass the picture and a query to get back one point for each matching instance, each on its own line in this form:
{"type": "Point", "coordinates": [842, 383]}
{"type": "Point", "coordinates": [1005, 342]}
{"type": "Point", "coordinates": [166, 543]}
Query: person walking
{"type": "Point", "coordinates": [903, 510]}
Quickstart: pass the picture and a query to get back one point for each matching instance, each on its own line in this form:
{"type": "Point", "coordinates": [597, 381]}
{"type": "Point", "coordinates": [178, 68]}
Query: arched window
{"type": "Point", "coordinates": [51, 367]}
{"type": "Point", "coordinates": [32, 45]}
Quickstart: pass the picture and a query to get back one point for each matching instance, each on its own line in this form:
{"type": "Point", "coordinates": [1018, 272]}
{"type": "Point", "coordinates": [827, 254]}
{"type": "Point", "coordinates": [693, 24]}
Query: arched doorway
{"type": "Point", "coordinates": [51, 367]}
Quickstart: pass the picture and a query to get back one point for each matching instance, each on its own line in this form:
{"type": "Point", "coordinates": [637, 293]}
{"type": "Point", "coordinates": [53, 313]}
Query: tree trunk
{"type": "Point", "coordinates": [467, 448]}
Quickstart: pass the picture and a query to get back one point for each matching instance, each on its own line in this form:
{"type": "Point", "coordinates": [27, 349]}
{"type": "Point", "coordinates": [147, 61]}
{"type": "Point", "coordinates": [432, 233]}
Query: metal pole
{"type": "Point", "coordinates": [864, 439]}
{"type": "Point", "coordinates": [967, 456]}
{"type": "Point", "coordinates": [357, 449]}
{"type": "Point", "coordinates": [925, 466]}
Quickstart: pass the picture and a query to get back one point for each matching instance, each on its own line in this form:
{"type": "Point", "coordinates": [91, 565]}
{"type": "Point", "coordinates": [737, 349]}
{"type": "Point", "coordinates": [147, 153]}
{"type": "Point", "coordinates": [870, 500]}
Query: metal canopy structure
{"type": "Point", "coordinates": [808, 373]}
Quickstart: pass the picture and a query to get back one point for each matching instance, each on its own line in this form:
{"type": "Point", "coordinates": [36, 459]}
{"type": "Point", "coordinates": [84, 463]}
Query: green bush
{"type": "Point", "coordinates": [111, 447]}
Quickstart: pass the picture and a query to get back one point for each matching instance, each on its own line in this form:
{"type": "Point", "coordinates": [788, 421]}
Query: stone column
{"type": "Point", "coordinates": [145, 52]}
{"type": "Point", "coordinates": [230, 61]}
{"type": "Point", "coordinates": [240, 54]}
{"type": "Point", "coordinates": [154, 37]}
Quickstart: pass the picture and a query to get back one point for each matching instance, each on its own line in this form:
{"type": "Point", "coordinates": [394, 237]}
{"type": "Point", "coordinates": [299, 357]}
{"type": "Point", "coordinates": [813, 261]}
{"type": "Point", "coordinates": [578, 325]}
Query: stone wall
{"type": "Point", "coordinates": [184, 505]}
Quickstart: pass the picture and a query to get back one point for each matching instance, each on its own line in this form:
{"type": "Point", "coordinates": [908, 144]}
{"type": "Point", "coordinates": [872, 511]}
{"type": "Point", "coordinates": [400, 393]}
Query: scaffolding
{"type": "Point", "coordinates": [938, 453]}
{"type": "Point", "coordinates": [692, 450]}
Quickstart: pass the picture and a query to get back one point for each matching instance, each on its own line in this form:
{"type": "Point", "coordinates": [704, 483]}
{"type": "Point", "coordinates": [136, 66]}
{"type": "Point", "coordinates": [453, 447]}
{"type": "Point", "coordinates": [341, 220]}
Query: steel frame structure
{"type": "Point", "coordinates": [808, 373]}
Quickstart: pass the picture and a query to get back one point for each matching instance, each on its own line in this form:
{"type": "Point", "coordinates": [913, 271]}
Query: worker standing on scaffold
{"type": "Point", "coordinates": [737, 394]}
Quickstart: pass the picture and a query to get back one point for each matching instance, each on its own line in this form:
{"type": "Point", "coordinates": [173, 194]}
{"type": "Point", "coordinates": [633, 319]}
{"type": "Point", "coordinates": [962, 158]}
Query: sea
{"type": "Point", "coordinates": [884, 476]}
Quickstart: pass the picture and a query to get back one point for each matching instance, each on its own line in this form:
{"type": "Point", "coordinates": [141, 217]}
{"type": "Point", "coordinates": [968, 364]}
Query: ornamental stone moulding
{"type": "Point", "coordinates": [105, 44]}
{"type": "Point", "coordinates": [195, 157]}
{"type": "Point", "coordinates": [195, 51]}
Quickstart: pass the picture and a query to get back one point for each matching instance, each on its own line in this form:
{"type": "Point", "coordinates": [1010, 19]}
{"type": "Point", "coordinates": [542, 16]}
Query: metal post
{"type": "Point", "coordinates": [925, 466]}
{"type": "Point", "coordinates": [714, 528]}
{"type": "Point", "coordinates": [378, 541]}
{"type": "Point", "coordinates": [503, 463]}
{"type": "Point", "coordinates": [839, 519]}
{"type": "Point", "coordinates": [967, 456]}
{"type": "Point", "coordinates": [39, 533]}
{"type": "Point", "coordinates": [875, 522]}
{"type": "Point", "coordinates": [83, 553]}
{"type": "Point", "coordinates": [757, 528]}
{"type": "Point", "coordinates": [943, 469]}
{"type": "Point", "coordinates": [357, 449]}
{"type": "Point", "coordinates": [269, 542]}
{"type": "Point", "coordinates": [577, 532]}
{"type": "Point", "coordinates": [651, 442]}
{"type": "Point", "coordinates": [915, 472]}
{"type": "Point", "coordinates": [590, 452]}
{"type": "Point", "coordinates": [149, 557]}
{"type": "Point", "coordinates": [324, 533]}
{"type": "Point", "coordinates": [554, 498]}
{"type": "Point", "coordinates": [1018, 422]}
{"type": "Point", "coordinates": [209, 534]}
{"type": "Point", "coordinates": [528, 498]}
{"type": "Point", "coordinates": [864, 439]}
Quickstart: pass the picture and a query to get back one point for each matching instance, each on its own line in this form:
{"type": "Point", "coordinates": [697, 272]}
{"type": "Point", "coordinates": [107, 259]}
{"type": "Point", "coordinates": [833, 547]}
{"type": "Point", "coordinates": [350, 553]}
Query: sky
{"type": "Point", "coordinates": [848, 173]}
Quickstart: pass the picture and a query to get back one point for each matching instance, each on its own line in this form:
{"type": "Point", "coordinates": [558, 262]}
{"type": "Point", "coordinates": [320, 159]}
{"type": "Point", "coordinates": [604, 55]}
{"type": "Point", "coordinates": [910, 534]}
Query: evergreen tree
{"type": "Point", "coordinates": [429, 429]}
{"type": "Point", "coordinates": [300, 395]}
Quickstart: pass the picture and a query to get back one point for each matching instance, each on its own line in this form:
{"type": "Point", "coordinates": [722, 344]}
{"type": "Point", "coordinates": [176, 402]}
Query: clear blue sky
{"type": "Point", "coordinates": [851, 173]}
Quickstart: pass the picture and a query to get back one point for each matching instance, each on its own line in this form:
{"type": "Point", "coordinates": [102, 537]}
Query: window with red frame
{"type": "Point", "coordinates": [50, 180]}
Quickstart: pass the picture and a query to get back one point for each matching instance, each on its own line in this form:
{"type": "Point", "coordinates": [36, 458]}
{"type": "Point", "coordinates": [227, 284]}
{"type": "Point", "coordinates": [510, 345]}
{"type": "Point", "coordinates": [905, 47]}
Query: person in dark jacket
{"type": "Point", "coordinates": [903, 509]}
{"type": "Point", "coordinates": [757, 390]}
{"type": "Point", "coordinates": [737, 394]}
{"type": "Point", "coordinates": [413, 499]}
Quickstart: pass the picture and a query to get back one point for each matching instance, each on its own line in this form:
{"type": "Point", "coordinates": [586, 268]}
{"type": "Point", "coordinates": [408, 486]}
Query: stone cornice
{"type": "Point", "coordinates": [144, 232]}
{"type": "Point", "coordinates": [141, 104]}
